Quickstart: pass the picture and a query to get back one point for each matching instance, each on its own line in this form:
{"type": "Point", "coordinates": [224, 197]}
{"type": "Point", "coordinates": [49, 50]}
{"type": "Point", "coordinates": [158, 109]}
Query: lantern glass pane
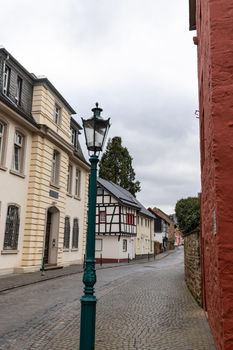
{"type": "Point", "coordinates": [89, 131]}
{"type": "Point", "coordinates": [99, 136]}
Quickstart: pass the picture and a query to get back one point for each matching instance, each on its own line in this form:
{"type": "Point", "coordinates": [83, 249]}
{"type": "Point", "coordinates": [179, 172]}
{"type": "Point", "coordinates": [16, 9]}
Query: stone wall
{"type": "Point", "coordinates": [192, 260]}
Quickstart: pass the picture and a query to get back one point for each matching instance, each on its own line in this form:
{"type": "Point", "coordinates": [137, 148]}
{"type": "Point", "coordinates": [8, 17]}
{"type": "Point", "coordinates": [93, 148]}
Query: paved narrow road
{"type": "Point", "coordinates": [141, 306]}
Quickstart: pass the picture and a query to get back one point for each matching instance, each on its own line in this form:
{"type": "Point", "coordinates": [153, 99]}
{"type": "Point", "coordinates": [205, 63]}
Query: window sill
{"type": "Point", "coordinates": [13, 172]}
{"type": "Point", "coordinates": [66, 250]}
{"type": "Point", "coordinates": [9, 251]}
{"type": "Point", "coordinates": [69, 195]}
{"type": "Point", "coordinates": [74, 249]}
{"type": "Point", "coordinates": [54, 186]}
{"type": "Point", "coordinates": [77, 197]}
{"type": "Point", "coordinates": [3, 168]}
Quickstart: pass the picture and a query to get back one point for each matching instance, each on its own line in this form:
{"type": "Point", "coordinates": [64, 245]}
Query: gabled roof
{"type": "Point", "coordinates": [38, 80]}
{"type": "Point", "coordinates": [144, 211]}
{"type": "Point", "coordinates": [158, 212]}
{"type": "Point", "coordinates": [122, 195]}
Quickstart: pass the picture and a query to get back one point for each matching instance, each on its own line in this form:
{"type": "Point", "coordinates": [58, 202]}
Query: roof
{"type": "Point", "coordinates": [122, 195]}
{"type": "Point", "coordinates": [144, 211]}
{"type": "Point", "coordinates": [11, 105]}
{"type": "Point", "coordinates": [75, 124]}
{"type": "Point", "coordinates": [31, 76]}
{"type": "Point", "coordinates": [36, 80]}
{"type": "Point", "coordinates": [158, 212]}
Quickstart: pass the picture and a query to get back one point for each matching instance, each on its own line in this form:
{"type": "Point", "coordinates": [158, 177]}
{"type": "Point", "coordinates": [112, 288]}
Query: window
{"type": "Point", "coordinates": [12, 228]}
{"type": "Point", "coordinates": [18, 90]}
{"type": "Point", "coordinates": [2, 141]}
{"type": "Point", "coordinates": [75, 234]}
{"type": "Point", "coordinates": [124, 245]}
{"type": "Point", "coordinates": [77, 182]}
{"type": "Point", "coordinates": [6, 80]}
{"type": "Point", "coordinates": [18, 152]}
{"type": "Point", "coordinates": [100, 191]}
{"type": "Point", "coordinates": [55, 168]}
{"type": "Point", "coordinates": [102, 216]}
{"type": "Point", "coordinates": [66, 243]}
{"type": "Point", "coordinates": [158, 225]}
{"type": "Point", "coordinates": [130, 219]}
{"type": "Point", "coordinates": [74, 137]}
{"type": "Point", "coordinates": [57, 114]}
{"type": "Point", "coordinates": [98, 245]}
{"type": "Point", "coordinates": [69, 179]}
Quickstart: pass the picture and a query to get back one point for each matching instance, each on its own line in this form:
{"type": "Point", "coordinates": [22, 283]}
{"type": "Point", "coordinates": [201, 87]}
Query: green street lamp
{"type": "Point", "coordinates": [95, 130]}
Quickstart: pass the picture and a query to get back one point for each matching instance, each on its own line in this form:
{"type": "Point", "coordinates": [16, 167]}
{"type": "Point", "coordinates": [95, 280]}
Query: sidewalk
{"type": "Point", "coordinates": [12, 281]}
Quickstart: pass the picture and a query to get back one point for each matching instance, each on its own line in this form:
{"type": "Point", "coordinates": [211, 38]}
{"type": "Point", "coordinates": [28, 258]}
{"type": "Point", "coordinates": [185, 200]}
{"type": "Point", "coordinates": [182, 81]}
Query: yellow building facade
{"type": "Point", "coordinates": [144, 239]}
{"type": "Point", "coordinates": [43, 174]}
{"type": "Point", "coordinates": [51, 153]}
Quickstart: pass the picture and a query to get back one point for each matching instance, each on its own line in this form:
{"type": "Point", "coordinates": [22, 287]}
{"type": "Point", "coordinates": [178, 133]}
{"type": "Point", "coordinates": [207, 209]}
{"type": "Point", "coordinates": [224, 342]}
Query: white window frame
{"type": "Point", "coordinates": [77, 191]}
{"type": "Point", "coordinates": [19, 90]}
{"type": "Point", "coordinates": [69, 178]}
{"type": "Point", "coordinates": [11, 234]}
{"type": "Point", "coordinates": [75, 234]}
{"type": "Point", "coordinates": [124, 245]}
{"type": "Point", "coordinates": [102, 216]}
{"type": "Point", "coordinates": [57, 114]}
{"type": "Point", "coordinates": [6, 80]}
{"type": "Point", "coordinates": [3, 142]}
{"type": "Point", "coordinates": [99, 245]}
{"type": "Point", "coordinates": [73, 137]}
{"type": "Point", "coordinates": [18, 151]}
{"type": "Point", "coordinates": [55, 168]}
{"type": "Point", "coordinates": [66, 240]}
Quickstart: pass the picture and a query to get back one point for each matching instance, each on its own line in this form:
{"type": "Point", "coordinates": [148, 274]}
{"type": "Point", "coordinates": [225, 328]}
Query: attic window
{"type": "Point", "coordinates": [18, 90]}
{"type": "Point", "coordinates": [6, 80]}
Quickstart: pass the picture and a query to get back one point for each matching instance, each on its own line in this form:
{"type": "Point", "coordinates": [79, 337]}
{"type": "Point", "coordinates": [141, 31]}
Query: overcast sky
{"type": "Point", "coordinates": [137, 59]}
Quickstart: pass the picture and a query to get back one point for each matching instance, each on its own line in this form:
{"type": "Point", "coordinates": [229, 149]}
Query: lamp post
{"type": "Point", "coordinates": [95, 130]}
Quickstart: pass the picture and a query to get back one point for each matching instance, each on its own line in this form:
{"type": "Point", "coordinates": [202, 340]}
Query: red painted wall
{"type": "Point", "coordinates": [215, 74]}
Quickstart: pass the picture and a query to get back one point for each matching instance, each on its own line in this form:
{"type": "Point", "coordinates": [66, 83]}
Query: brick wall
{"type": "Point", "coordinates": [215, 71]}
{"type": "Point", "coordinates": [193, 265]}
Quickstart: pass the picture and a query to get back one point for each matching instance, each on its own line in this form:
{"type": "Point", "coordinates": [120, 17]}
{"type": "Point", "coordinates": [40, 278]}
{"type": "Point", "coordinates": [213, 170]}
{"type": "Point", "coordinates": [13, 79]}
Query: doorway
{"type": "Point", "coordinates": [51, 236]}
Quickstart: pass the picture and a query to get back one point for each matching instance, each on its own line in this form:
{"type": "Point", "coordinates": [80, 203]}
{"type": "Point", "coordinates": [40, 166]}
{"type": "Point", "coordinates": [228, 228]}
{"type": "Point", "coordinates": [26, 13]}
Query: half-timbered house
{"type": "Point", "coordinates": [116, 222]}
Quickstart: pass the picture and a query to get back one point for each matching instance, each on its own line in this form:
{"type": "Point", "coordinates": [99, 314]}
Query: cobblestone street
{"type": "Point", "coordinates": [144, 306]}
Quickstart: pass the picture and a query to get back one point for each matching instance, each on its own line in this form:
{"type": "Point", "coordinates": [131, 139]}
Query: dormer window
{"type": "Point", "coordinates": [6, 80]}
{"type": "Point", "coordinates": [18, 90]}
{"type": "Point", "coordinates": [57, 114]}
{"type": "Point", "coordinates": [74, 138]}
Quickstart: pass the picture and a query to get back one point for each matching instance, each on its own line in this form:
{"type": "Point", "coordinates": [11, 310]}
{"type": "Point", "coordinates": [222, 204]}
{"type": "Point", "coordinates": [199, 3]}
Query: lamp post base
{"type": "Point", "coordinates": [87, 329]}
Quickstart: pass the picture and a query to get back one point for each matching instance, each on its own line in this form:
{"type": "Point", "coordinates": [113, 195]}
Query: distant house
{"type": "Point", "coordinates": [116, 228]}
{"type": "Point", "coordinates": [164, 228]}
{"type": "Point", "coordinates": [145, 232]}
